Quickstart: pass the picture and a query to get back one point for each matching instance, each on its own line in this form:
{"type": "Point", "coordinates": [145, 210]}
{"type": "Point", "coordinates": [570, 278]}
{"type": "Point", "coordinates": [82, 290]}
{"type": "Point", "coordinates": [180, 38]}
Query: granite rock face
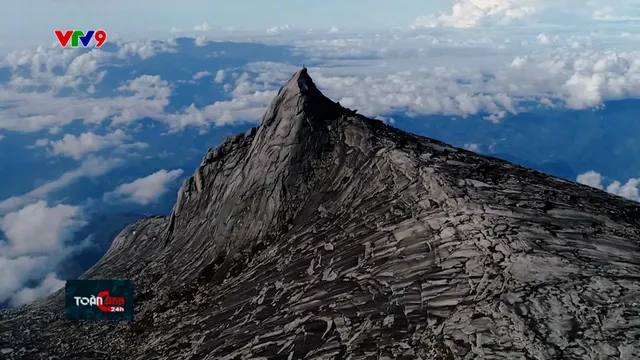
{"type": "Point", "coordinates": [322, 234]}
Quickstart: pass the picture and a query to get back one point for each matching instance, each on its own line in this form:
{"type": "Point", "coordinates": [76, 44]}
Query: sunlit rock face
{"type": "Point", "coordinates": [322, 234]}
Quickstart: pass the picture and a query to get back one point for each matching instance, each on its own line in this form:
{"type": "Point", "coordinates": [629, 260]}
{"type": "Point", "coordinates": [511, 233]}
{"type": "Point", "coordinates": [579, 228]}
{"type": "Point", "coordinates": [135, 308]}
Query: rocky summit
{"type": "Point", "coordinates": [322, 234]}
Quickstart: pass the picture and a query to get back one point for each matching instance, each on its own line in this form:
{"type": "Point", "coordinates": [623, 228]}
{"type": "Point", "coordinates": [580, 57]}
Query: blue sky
{"type": "Point", "coordinates": [141, 18]}
{"type": "Point", "coordinates": [145, 18]}
{"type": "Point", "coordinates": [110, 133]}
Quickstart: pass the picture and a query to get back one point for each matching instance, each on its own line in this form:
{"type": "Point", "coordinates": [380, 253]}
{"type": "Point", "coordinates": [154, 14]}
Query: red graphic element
{"type": "Point", "coordinates": [63, 38]}
{"type": "Point", "coordinates": [107, 303]}
{"type": "Point", "coordinates": [104, 294]}
{"type": "Point", "coordinates": [100, 37]}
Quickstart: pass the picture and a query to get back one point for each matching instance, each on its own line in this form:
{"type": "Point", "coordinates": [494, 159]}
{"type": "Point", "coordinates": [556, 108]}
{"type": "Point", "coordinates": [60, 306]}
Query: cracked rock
{"type": "Point", "coordinates": [322, 234]}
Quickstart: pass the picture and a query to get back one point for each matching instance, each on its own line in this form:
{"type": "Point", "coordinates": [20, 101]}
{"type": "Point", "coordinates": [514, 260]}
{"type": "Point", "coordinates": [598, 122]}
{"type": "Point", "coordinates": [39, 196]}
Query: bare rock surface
{"type": "Point", "coordinates": [322, 234]}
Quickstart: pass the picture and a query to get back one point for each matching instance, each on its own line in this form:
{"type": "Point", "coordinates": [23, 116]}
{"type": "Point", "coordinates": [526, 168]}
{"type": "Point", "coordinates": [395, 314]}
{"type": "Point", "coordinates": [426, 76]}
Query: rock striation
{"type": "Point", "coordinates": [322, 234]}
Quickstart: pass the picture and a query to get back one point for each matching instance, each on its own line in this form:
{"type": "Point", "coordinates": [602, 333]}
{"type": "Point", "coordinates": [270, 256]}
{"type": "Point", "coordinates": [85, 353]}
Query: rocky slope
{"type": "Point", "coordinates": [322, 234]}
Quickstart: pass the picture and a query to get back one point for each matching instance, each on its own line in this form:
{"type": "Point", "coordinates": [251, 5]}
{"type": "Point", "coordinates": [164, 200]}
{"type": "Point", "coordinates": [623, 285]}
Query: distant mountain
{"type": "Point", "coordinates": [323, 234]}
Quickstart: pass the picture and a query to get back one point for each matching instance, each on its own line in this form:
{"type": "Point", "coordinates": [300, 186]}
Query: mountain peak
{"type": "Point", "coordinates": [300, 98]}
{"type": "Point", "coordinates": [302, 81]}
{"type": "Point", "coordinates": [300, 84]}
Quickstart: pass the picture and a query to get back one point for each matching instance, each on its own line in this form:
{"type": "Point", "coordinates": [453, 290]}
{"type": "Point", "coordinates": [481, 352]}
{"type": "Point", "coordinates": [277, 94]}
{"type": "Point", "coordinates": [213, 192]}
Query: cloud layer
{"type": "Point", "coordinates": [77, 147]}
{"type": "Point", "coordinates": [629, 190]}
{"type": "Point", "coordinates": [417, 72]}
{"type": "Point", "coordinates": [35, 241]}
{"type": "Point", "coordinates": [472, 13]}
{"type": "Point", "coordinates": [145, 190]}
{"type": "Point", "coordinates": [91, 167]}
{"type": "Point", "coordinates": [483, 13]}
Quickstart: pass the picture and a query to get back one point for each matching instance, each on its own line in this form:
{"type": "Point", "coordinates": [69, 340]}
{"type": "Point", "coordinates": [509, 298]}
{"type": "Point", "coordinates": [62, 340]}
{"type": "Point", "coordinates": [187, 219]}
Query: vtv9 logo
{"type": "Point", "coordinates": [76, 37]}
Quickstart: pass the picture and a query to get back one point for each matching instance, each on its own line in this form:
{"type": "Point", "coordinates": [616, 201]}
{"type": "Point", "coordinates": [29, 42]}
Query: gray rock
{"type": "Point", "coordinates": [326, 235]}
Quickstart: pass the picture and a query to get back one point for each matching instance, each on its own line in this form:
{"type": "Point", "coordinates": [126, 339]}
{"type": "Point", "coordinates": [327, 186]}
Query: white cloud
{"type": "Point", "coordinates": [143, 97]}
{"type": "Point", "coordinates": [144, 49]}
{"type": "Point", "coordinates": [36, 241]}
{"type": "Point", "coordinates": [74, 68]}
{"type": "Point", "coordinates": [78, 146]}
{"type": "Point", "coordinates": [36, 111]}
{"type": "Point", "coordinates": [500, 85]}
{"type": "Point", "coordinates": [476, 13]}
{"type": "Point", "coordinates": [15, 272]}
{"type": "Point", "coordinates": [41, 59]}
{"type": "Point", "coordinates": [145, 190]}
{"type": "Point", "coordinates": [47, 286]}
{"type": "Point", "coordinates": [590, 178]}
{"type": "Point", "coordinates": [628, 190]}
{"type": "Point", "coordinates": [219, 76]}
{"type": "Point", "coordinates": [1, 136]}
{"type": "Point", "coordinates": [543, 39]}
{"type": "Point", "coordinates": [86, 63]}
{"type": "Point", "coordinates": [59, 68]}
{"type": "Point", "coordinates": [27, 108]}
{"type": "Point", "coordinates": [151, 94]}
{"type": "Point", "coordinates": [37, 228]}
{"type": "Point", "coordinates": [202, 27]}
{"type": "Point", "coordinates": [41, 143]}
{"type": "Point", "coordinates": [608, 13]}
{"type": "Point", "coordinates": [472, 147]}
{"type": "Point", "coordinates": [249, 99]}
{"type": "Point", "coordinates": [416, 72]}
{"type": "Point", "coordinates": [598, 77]}
{"type": "Point", "coordinates": [277, 29]}
{"type": "Point", "coordinates": [426, 91]}
{"type": "Point", "coordinates": [201, 41]}
{"type": "Point", "coordinates": [200, 75]}
{"type": "Point", "coordinates": [91, 167]}
{"type": "Point", "coordinates": [497, 116]}
{"type": "Point", "coordinates": [471, 13]}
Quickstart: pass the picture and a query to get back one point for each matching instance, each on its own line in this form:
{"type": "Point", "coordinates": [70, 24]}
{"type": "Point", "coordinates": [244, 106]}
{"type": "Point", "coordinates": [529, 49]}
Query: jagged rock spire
{"type": "Point", "coordinates": [302, 95]}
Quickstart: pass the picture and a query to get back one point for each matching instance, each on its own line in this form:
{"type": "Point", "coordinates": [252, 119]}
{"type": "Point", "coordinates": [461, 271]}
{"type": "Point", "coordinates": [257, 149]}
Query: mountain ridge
{"type": "Point", "coordinates": [364, 241]}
